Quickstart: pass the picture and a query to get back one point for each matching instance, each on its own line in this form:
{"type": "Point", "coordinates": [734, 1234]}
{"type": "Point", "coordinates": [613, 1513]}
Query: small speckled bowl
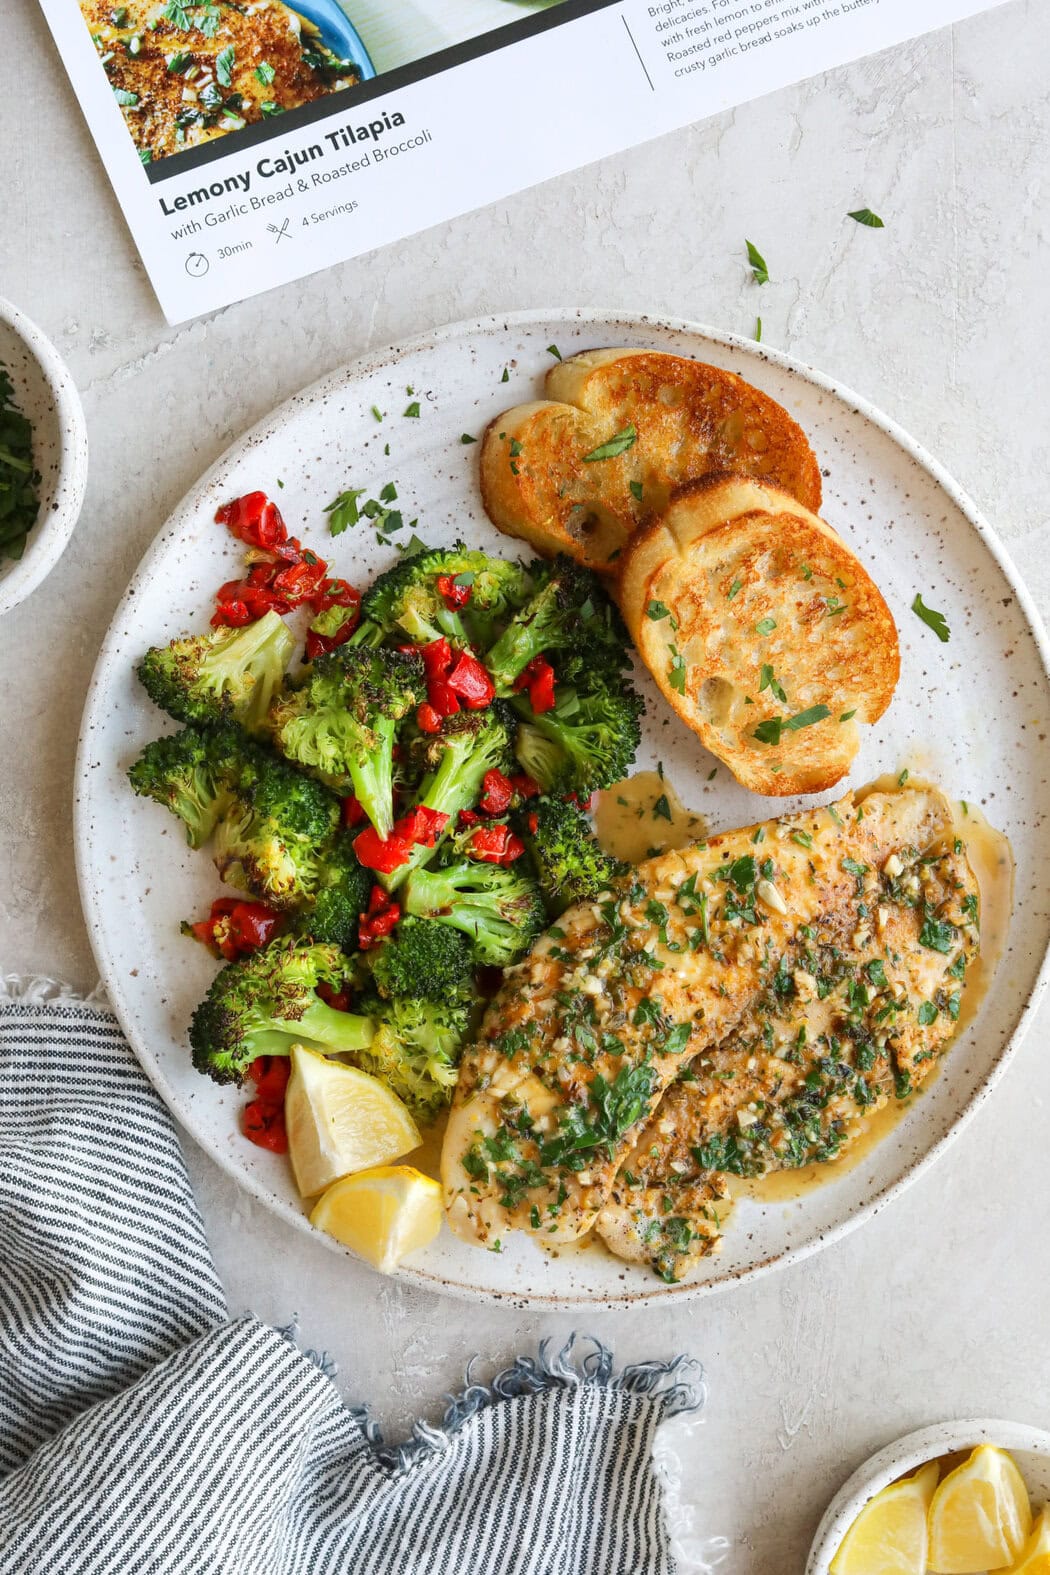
{"type": "Point", "coordinates": [1030, 1447]}
{"type": "Point", "coordinates": [45, 393]}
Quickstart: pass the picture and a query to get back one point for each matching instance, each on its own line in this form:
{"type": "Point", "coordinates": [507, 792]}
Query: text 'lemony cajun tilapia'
{"type": "Point", "coordinates": [701, 955]}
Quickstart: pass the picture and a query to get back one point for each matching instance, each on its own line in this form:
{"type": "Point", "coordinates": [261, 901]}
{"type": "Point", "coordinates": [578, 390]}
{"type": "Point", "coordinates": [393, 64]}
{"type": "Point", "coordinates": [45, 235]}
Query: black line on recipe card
{"type": "Point", "coordinates": [634, 46]}
{"type": "Point", "coordinates": [347, 99]}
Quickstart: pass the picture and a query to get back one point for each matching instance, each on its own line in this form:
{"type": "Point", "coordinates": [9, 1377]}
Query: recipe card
{"type": "Point", "coordinates": [251, 142]}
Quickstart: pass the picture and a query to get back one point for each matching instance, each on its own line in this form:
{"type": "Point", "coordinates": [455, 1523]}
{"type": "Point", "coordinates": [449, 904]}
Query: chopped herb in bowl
{"type": "Point", "coordinates": [19, 479]}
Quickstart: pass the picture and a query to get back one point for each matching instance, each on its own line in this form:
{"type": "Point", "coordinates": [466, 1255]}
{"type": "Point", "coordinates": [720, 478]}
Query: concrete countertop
{"type": "Point", "coordinates": [940, 1306]}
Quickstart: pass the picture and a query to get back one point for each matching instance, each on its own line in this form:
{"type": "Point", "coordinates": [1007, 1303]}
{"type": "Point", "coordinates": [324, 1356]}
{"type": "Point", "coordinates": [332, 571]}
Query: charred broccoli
{"type": "Point", "coordinates": [422, 960]}
{"type": "Point", "coordinates": [570, 612]}
{"type": "Point", "coordinates": [407, 600]}
{"type": "Point", "coordinates": [189, 773]}
{"type": "Point", "coordinates": [265, 1003]}
{"type": "Point", "coordinates": [588, 740]}
{"type": "Point", "coordinates": [498, 908]}
{"type": "Point", "coordinates": [224, 674]}
{"type": "Point", "coordinates": [416, 1047]}
{"type": "Point", "coordinates": [570, 865]}
{"type": "Point", "coordinates": [342, 722]}
{"type": "Point", "coordinates": [277, 831]}
{"type": "Point", "coordinates": [343, 889]}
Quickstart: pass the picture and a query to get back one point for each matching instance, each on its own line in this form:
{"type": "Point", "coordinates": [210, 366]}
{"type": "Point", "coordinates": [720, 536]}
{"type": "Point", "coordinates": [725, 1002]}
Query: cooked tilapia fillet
{"type": "Point", "coordinates": [586, 1034]}
{"type": "Point", "coordinates": [861, 1017]}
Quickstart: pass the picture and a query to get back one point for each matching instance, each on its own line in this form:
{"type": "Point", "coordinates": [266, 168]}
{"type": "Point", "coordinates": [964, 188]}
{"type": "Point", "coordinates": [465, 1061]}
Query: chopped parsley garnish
{"type": "Point", "coordinates": [466, 438]}
{"type": "Point", "coordinates": [865, 216]}
{"type": "Point", "coordinates": [758, 330]}
{"type": "Point", "coordinates": [765, 626]}
{"type": "Point", "coordinates": [224, 66]}
{"type": "Point", "coordinates": [656, 610]}
{"type": "Point", "coordinates": [937, 935]}
{"type": "Point", "coordinates": [265, 74]}
{"type": "Point", "coordinates": [847, 715]}
{"type": "Point", "coordinates": [506, 375]}
{"type": "Point", "coordinates": [758, 263]}
{"type": "Point", "coordinates": [662, 809]}
{"type": "Point", "coordinates": [926, 1014]}
{"type": "Point", "coordinates": [412, 409]}
{"type": "Point", "coordinates": [770, 681]}
{"type": "Point", "coordinates": [636, 490]}
{"type": "Point", "coordinates": [343, 510]}
{"type": "Point", "coordinates": [677, 671]}
{"type": "Point", "coordinates": [933, 620]}
{"type": "Point", "coordinates": [618, 444]}
{"type": "Point", "coordinates": [555, 352]}
{"type": "Point", "coordinates": [734, 590]}
{"type": "Point", "coordinates": [180, 62]}
{"type": "Point", "coordinates": [769, 732]}
{"type": "Point", "coordinates": [124, 98]}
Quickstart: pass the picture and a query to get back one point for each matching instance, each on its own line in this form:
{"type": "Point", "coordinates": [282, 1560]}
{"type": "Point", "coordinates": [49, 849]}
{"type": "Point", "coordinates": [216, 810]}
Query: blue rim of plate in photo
{"type": "Point", "coordinates": [337, 32]}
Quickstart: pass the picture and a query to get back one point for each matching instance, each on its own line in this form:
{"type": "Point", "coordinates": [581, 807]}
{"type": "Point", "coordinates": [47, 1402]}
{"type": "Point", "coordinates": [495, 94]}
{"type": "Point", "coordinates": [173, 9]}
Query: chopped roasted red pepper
{"type": "Point", "coordinates": [270, 1074]}
{"type": "Point", "coordinates": [437, 656]}
{"type": "Point", "coordinates": [495, 845]}
{"type": "Point", "coordinates": [338, 1000]}
{"type": "Point", "coordinates": [253, 519]}
{"type": "Point", "coordinates": [524, 785]}
{"type": "Point", "coordinates": [533, 822]}
{"type": "Point", "coordinates": [497, 793]}
{"type": "Point", "coordinates": [441, 697]}
{"type": "Point", "coordinates": [455, 596]}
{"type": "Point", "coordinates": [353, 811]}
{"type": "Point", "coordinates": [383, 914]}
{"type": "Point", "coordinates": [375, 854]}
{"type": "Point", "coordinates": [421, 825]}
{"type": "Point", "coordinates": [584, 801]}
{"type": "Point", "coordinates": [468, 817]}
{"type": "Point", "coordinates": [234, 927]}
{"type": "Point", "coordinates": [538, 679]}
{"type": "Point", "coordinates": [468, 679]}
{"type": "Point", "coordinates": [264, 1126]}
{"type": "Point", "coordinates": [427, 719]}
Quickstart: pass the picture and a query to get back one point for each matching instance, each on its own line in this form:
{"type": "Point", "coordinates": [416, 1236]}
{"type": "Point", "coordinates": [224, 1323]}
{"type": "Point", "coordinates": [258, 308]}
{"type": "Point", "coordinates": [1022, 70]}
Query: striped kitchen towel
{"type": "Point", "coordinates": [143, 1430]}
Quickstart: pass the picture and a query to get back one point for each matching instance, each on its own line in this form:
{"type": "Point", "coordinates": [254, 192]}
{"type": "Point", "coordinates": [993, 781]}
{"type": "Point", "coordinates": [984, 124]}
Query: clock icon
{"type": "Point", "coordinates": [197, 265]}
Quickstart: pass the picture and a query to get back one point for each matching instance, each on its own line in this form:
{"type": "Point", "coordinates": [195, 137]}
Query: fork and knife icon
{"type": "Point", "coordinates": [282, 233]}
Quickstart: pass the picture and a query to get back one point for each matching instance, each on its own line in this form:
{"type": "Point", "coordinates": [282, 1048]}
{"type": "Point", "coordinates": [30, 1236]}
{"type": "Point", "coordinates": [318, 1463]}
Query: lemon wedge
{"type": "Point", "coordinates": [340, 1120]}
{"type": "Point", "coordinates": [1035, 1556]}
{"type": "Point", "coordinates": [980, 1516]}
{"type": "Point", "coordinates": [382, 1214]}
{"type": "Point", "coordinates": [889, 1535]}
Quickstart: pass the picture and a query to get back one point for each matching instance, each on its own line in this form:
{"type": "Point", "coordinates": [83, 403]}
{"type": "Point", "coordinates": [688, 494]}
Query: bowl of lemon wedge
{"type": "Point", "coordinates": [957, 1498]}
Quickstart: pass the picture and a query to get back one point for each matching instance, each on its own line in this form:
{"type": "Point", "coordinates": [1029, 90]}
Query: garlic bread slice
{"type": "Point", "coordinates": [580, 471]}
{"type": "Point", "coordinates": [763, 630]}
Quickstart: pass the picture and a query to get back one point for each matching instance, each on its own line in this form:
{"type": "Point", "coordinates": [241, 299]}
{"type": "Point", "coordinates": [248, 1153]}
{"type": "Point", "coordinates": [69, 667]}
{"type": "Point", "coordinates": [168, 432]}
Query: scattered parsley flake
{"type": "Point", "coordinates": [933, 620]}
{"type": "Point", "coordinates": [224, 61]}
{"type": "Point", "coordinates": [412, 409]}
{"type": "Point", "coordinates": [343, 510]}
{"type": "Point", "coordinates": [865, 216]}
{"type": "Point", "coordinates": [770, 681]}
{"type": "Point", "coordinates": [636, 490]}
{"type": "Point", "coordinates": [734, 590]}
{"type": "Point", "coordinates": [555, 352]}
{"type": "Point", "coordinates": [465, 437]}
{"type": "Point", "coordinates": [618, 444]}
{"type": "Point", "coordinates": [677, 671]}
{"type": "Point", "coordinates": [758, 330]}
{"type": "Point", "coordinates": [265, 73]}
{"type": "Point", "coordinates": [662, 809]}
{"type": "Point", "coordinates": [765, 626]}
{"type": "Point", "coordinates": [758, 263]}
{"type": "Point", "coordinates": [506, 375]}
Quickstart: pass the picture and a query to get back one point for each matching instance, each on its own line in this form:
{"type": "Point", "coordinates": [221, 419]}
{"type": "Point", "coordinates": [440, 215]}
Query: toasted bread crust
{"type": "Point", "coordinates": [692, 420]}
{"type": "Point", "coordinates": [737, 593]}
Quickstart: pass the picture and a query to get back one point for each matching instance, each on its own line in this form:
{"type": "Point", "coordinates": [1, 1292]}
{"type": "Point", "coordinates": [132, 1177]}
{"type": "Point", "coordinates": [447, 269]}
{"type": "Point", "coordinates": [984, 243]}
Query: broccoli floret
{"type": "Point", "coordinates": [189, 773]}
{"type": "Point", "coordinates": [456, 759]}
{"type": "Point", "coordinates": [499, 908]}
{"type": "Point", "coordinates": [588, 740]}
{"type": "Point", "coordinates": [277, 832]}
{"type": "Point", "coordinates": [570, 865]}
{"type": "Point", "coordinates": [343, 889]}
{"type": "Point", "coordinates": [406, 600]}
{"type": "Point", "coordinates": [265, 1003]}
{"type": "Point", "coordinates": [423, 960]}
{"type": "Point", "coordinates": [342, 722]}
{"type": "Point", "coordinates": [569, 612]}
{"type": "Point", "coordinates": [415, 1049]}
{"type": "Point", "coordinates": [224, 674]}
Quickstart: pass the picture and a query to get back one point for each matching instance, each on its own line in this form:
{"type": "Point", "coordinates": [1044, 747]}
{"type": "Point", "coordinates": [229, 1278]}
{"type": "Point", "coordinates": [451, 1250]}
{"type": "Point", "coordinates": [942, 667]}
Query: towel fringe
{"type": "Point", "coordinates": [676, 1387]}
{"type": "Point", "coordinates": [41, 990]}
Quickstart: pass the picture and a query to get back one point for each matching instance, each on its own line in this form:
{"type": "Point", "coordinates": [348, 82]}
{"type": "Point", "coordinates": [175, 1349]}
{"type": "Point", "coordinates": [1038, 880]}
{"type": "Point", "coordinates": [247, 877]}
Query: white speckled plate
{"type": "Point", "coordinates": [971, 714]}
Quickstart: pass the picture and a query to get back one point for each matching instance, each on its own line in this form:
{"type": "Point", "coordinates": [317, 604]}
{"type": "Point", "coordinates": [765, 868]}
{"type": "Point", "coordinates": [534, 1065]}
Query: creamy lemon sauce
{"type": "Point", "coordinates": [642, 816]}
